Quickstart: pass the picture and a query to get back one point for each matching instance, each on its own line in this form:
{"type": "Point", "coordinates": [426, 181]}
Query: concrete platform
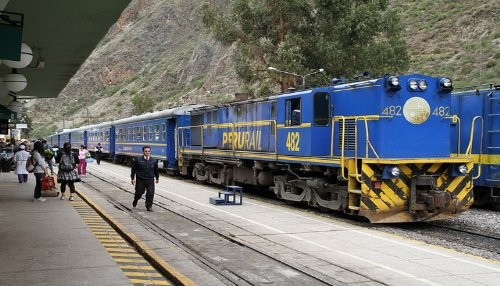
{"type": "Point", "coordinates": [47, 243]}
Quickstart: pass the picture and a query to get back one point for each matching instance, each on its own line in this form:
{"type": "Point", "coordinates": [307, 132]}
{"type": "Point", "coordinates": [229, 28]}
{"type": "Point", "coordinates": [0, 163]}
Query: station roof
{"type": "Point", "coordinates": [64, 33]}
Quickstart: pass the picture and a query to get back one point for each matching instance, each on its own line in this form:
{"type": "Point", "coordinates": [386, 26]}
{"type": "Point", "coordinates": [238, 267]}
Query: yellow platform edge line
{"type": "Point", "coordinates": [149, 282]}
{"type": "Point", "coordinates": [165, 268]}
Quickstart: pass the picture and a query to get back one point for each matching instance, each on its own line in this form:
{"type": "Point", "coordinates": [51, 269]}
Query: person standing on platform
{"type": "Point", "coordinates": [82, 158]}
{"type": "Point", "coordinates": [145, 170]}
{"type": "Point", "coordinates": [67, 175]}
{"type": "Point", "coordinates": [20, 158]}
{"type": "Point", "coordinates": [41, 169]}
{"type": "Point", "coordinates": [98, 153]}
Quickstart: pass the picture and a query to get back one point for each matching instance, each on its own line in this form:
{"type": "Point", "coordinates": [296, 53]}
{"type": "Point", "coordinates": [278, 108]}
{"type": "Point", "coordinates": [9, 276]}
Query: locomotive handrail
{"type": "Point", "coordinates": [368, 144]}
{"type": "Point", "coordinates": [339, 118]}
{"type": "Point", "coordinates": [469, 147]}
{"type": "Point", "coordinates": [233, 126]}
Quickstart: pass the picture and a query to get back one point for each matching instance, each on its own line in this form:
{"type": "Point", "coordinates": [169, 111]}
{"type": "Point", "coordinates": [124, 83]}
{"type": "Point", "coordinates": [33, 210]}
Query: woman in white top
{"type": "Point", "coordinates": [20, 158]}
{"type": "Point", "coordinates": [82, 164]}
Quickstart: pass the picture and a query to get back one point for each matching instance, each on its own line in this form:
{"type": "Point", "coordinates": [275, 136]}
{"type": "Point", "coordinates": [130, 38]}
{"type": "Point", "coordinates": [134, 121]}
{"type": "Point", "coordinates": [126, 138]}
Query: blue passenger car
{"type": "Point", "coordinates": [64, 136]}
{"type": "Point", "coordinates": [157, 130]}
{"type": "Point", "coordinates": [377, 148]}
{"type": "Point", "coordinates": [103, 133]}
{"type": "Point", "coordinates": [477, 130]}
{"type": "Point", "coordinates": [53, 140]}
{"type": "Point", "coordinates": [78, 137]}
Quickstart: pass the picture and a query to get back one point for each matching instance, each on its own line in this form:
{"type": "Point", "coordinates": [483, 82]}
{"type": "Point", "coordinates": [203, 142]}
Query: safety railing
{"type": "Point", "coordinates": [234, 129]}
{"type": "Point", "coordinates": [368, 144]}
{"type": "Point", "coordinates": [468, 151]}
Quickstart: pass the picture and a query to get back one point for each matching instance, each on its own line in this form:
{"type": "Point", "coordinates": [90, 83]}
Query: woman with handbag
{"type": "Point", "coordinates": [66, 175]}
{"type": "Point", "coordinates": [41, 169]}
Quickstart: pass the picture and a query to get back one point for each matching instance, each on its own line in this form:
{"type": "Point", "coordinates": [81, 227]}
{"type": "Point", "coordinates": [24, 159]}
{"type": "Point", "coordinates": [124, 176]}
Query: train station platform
{"type": "Point", "coordinates": [47, 243]}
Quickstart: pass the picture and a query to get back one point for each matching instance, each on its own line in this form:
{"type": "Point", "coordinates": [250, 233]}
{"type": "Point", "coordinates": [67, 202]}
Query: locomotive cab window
{"type": "Point", "coordinates": [293, 112]}
{"type": "Point", "coordinates": [321, 109]}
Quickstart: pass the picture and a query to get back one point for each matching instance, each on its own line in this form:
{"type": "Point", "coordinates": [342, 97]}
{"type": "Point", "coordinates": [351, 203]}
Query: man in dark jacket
{"type": "Point", "coordinates": [145, 170]}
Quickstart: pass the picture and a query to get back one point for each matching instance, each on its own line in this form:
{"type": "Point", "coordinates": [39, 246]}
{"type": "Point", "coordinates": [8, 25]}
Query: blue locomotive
{"type": "Point", "coordinates": [376, 148]}
{"type": "Point", "coordinates": [477, 131]}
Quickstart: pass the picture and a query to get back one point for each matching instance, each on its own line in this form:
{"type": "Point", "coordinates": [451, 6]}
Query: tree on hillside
{"type": "Point", "coordinates": [344, 37]}
{"type": "Point", "coordinates": [142, 104]}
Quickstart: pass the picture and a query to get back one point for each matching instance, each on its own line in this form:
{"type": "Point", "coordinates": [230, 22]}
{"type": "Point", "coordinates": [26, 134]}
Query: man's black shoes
{"type": "Point", "coordinates": [149, 209]}
{"type": "Point", "coordinates": [134, 203]}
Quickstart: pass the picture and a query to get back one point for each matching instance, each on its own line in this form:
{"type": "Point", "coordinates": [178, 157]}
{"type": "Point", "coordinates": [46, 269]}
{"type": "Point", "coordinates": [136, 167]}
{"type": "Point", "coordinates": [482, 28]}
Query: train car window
{"type": "Point", "coordinates": [106, 136]}
{"type": "Point", "coordinates": [293, 112]}
{"type": "Point", "coordinates": [273, 110]}
{"type": "Point", "coordinates": [150, 132]}
{"type": "Point", "coordinates": [195, 134]}
{"type": "Point", "coordinates": [321, 109]}
{"type": "Point", "coordinates": [251, 112]}
{"type": "Point", "coordinates": [215, 117]}
{"type": "Point", "coordinates": [209, 123]}
{"type": "Point", "coordinates": [163, 131]}
{"type": "Point", "coordinates": [157, 132]}
{"type": "Point", "coordinates": [138, 134]}
{"type": "Point", "coordinates": [241, 113]}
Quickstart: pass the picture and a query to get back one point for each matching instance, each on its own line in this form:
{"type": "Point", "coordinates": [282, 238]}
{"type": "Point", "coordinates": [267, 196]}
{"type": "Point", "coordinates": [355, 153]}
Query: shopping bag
{"type": "Point", "coordinates": [49, 187]}
{"type": "Point", "coordinates": [89, 160]}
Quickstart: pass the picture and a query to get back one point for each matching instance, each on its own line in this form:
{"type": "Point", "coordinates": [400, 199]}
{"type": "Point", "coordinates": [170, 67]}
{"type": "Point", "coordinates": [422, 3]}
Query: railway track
{"type": "Point", "coordinates": [231, 267]}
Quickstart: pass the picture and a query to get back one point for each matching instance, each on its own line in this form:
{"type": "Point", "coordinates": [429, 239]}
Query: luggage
{"type": "Point", "coordinates": [49, 187]}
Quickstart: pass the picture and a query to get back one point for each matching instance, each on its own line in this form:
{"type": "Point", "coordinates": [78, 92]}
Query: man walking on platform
{"type": "Point", "coordinates": [98, 153]}
{"type": "Point", "coordinates": [145, 170]}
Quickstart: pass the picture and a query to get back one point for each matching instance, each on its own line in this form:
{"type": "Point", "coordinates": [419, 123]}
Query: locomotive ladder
{"type": "Point", "coordinates": [353, 177]}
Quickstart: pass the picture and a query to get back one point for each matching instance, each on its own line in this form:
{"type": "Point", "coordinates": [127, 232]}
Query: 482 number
{"type": "Point", "coordinates": [292, 141]}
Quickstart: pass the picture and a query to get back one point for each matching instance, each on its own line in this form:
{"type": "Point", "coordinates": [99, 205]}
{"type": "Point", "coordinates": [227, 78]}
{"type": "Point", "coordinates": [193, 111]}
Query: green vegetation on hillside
{"type": "Point", "coordinates": [460, 39]}
{"type": "Point", "coordinates": [344, 37]}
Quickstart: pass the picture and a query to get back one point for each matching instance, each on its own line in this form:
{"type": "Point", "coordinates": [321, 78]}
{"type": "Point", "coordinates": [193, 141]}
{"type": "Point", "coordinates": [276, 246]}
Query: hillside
{"type": "Point", "coordinates": [160, 49]}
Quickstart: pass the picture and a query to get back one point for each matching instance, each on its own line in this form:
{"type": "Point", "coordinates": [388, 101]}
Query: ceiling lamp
{"type": "Point", "coordinates": [14, 81]}
{"type": "Point", "coordinates": [16, 106]}
{"type": "Point", "coordinates": [26, 57]}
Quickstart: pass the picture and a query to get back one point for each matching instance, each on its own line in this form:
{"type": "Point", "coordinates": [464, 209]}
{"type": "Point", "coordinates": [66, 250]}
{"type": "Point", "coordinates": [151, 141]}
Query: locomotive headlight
{"type": "Point", "coordinates": [391, 172]}
{"type": "Point", "coordinates": [392, 83]}
{"type": "Point", "coordinates": [445, 85]}
{"type": "Point", "coordinates": [412, 84]}
{"type": "Point", "coordinates": [422, 85]}
{"type": "Point", "coordinates": [395, 171]}
{"type": "Point", "coordinates": [462, 169]}
{"type": "Point", "coordinates": [458, 170]}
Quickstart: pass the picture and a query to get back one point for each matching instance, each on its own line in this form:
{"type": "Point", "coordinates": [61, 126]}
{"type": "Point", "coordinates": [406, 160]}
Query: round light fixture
{"type": "Point", "coordinates": [15, 82]}
{"type": "Point", "coordinates": [26, 57]}
{"type": "Point", "coordinates": [15, 106]}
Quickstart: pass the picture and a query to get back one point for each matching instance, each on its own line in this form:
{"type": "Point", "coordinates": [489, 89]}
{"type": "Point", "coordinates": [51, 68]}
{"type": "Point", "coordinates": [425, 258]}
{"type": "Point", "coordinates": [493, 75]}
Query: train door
{"type": "Point", "coordinates": [112, 140]}
{"type": "Point", "coordinates": [171, 142]}
{"type": "Point", "coordinates": [321, 129]}
{"type": "Point", "coordinates": [289, 137]}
